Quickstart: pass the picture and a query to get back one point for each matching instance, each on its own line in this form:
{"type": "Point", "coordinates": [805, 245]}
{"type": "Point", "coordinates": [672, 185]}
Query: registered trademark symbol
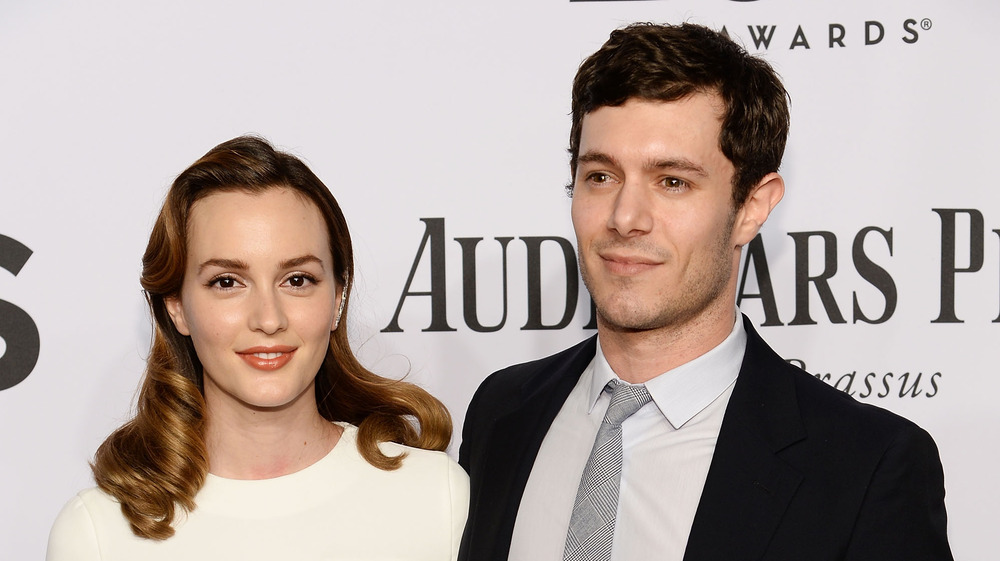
{"type": "Point", "coordinates": [926, 24]}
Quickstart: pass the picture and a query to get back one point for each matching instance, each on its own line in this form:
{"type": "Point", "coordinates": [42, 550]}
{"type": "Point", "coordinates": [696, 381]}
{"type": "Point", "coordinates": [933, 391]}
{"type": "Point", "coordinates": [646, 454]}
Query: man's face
{"type": "Point", "coordinates": [653, 213]}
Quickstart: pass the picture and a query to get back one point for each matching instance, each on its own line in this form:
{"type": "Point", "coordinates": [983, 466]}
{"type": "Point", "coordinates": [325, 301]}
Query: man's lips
{"type": "Point", "coordinates": [627, 263]}
{"type": "Point", "coordinates": [267, 358]}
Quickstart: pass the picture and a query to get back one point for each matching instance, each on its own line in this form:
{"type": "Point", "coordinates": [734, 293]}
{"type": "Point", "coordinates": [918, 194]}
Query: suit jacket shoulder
{"type": "Point", "coordinates": [789, 403]}
{"type": "Point", "coordinates": [822, 475]}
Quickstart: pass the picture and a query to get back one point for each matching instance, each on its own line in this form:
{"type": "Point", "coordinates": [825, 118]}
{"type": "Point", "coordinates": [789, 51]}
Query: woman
{"type": "Point", "coordinates": [258, 435]}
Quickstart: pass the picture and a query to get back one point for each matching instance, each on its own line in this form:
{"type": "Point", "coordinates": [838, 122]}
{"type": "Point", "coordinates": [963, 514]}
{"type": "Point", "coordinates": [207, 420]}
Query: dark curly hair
{"type": "Point", "coordinates": [668, 62]}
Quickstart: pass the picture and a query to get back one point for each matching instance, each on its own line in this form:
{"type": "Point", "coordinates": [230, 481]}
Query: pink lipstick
{"type": "Point", "coordinates": [267, 358]}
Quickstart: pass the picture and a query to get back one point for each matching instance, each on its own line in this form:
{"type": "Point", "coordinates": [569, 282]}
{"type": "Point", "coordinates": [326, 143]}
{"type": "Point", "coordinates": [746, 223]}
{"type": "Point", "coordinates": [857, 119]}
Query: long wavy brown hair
{"type": "Point", "coordinates": [157, 461]}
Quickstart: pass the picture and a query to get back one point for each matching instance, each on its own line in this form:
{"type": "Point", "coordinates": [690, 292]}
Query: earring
{"type": "Point", "coordinates": [340, 310]}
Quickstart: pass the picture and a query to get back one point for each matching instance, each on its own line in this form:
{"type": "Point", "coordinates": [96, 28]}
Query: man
{"type": "Point", "coordinates": [731, 453]}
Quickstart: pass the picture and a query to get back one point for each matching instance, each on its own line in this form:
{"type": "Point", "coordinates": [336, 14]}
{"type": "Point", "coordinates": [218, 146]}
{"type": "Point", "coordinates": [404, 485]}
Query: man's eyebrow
{"type": "Point", "coordinates": [679, 164]}
{"type": "Point", "coordinates": [598, 158]}
{"type": "Point", "coordinates": [234, 264]}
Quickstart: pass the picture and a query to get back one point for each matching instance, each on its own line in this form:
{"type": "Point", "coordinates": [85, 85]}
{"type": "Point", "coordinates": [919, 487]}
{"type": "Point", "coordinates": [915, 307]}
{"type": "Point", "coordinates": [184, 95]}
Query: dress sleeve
{"type": "Point", "coordinates": [73, 537]}
{"type": "Point", "coordinates": [458, 483]}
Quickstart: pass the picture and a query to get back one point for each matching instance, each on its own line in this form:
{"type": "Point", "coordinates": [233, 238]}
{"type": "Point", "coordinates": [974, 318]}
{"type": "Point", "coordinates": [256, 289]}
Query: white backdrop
{"type": "Point", "coordinates": [423, 114]}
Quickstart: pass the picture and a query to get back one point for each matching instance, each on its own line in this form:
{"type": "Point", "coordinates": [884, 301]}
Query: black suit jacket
{"type": "Point", "coordinates": [801, 471]}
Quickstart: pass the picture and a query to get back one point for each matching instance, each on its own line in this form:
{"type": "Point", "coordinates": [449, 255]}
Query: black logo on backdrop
{"type": "Point", "coordinates": [830, 36]}
{"type": "Point", "coordinates": [866, 242]}
{"type": "Point", "coordinates": [871, 249]}
{"type": "Point", "coordinates": [432, 248]}
{"type": "Point", "coordinates": [871, 272]}
{"type": "Point", "coordinates": [880, 385]}
{"type": "Point", "coordinates": [17, 329]}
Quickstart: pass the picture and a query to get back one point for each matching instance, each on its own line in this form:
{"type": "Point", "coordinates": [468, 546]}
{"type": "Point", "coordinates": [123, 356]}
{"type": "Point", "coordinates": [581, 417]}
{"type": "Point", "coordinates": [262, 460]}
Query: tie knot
{"type": "Point", "coordinates": [626, 399]}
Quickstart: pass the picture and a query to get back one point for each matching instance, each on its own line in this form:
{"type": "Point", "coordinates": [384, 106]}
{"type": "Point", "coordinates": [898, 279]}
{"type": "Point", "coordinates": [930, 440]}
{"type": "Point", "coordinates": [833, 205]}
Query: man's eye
{"type": "Point", "coordinates": [674, 183]}
{"type": "Point", "coordinates": [599, 177]}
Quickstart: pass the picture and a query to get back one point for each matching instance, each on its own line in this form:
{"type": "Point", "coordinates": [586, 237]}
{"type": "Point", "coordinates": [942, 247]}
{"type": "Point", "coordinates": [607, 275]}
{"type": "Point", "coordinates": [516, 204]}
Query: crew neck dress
{"type": "Point", "coordinates": [339, 508]}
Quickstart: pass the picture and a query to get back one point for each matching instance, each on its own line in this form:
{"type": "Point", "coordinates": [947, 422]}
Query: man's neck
{"type": "Point", "coordinates": [639, 356]}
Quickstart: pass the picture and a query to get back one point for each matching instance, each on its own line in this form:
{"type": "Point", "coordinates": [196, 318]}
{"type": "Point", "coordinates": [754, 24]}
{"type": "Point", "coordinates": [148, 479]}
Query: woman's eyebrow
{"type": "Point", "coordinates": [234, 264]}
{"type": "Point", "coordinates": [238, 265]}
{"type": "Point", "coordinates": [301, 260]}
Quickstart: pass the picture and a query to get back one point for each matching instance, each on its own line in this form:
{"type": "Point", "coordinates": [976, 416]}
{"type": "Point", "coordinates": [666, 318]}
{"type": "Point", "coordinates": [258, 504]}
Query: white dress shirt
{"type": "Point", "coordinates": [667, 448]}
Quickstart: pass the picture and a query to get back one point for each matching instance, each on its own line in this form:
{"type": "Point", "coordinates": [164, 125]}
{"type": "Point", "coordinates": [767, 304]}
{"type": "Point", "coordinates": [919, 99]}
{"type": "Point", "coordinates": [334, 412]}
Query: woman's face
{"type": "Point", "coordinates": [259, 298]}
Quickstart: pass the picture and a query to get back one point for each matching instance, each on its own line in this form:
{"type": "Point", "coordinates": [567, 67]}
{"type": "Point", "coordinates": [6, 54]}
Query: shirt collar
{"type": "Point", "coordinates": [681, 393]}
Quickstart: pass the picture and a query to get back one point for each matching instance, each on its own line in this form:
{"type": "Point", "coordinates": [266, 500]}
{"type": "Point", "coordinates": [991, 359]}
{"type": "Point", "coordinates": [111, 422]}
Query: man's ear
{"type": "Point", "coordinates": [757, 207]}
{"type": "Point", "coordinates": [176, 311]}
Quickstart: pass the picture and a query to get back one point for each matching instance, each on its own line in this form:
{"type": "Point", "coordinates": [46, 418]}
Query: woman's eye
{"type": "Point", "coordinates": [224, 283]}
{"type": "Point", "coordinates": [300, 281]}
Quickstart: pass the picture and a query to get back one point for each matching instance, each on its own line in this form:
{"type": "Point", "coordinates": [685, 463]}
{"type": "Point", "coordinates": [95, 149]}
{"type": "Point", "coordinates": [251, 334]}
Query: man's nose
{"type": "Point", "coordinates": [632, 213]}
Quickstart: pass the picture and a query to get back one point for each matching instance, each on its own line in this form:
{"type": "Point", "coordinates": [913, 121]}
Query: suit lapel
{"type": "Point", "coordinates": [517, 435]}
{"type": "Point", "coordinates": [749, 486]}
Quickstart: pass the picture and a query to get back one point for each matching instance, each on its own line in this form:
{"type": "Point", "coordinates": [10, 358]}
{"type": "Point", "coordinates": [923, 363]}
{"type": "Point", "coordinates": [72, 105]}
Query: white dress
{"type": "Point", "coordinates": [341, 507]}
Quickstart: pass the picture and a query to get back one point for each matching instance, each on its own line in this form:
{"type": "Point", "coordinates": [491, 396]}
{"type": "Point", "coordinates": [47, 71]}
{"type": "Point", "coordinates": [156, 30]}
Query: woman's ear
{"type": "Point", "coordinates": [758, 206]}
{"type": "Point", "coordinates": [176, 311]}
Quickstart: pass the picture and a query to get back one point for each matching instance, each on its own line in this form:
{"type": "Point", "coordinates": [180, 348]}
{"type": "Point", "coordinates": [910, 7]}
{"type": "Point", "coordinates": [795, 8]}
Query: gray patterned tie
{"type": "Point", "coordinates": [592, 527]}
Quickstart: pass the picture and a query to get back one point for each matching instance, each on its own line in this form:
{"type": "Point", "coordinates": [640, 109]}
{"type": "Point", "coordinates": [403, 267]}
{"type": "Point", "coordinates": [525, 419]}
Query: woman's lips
{"type": "Point", "coordinates": [267, 358]}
